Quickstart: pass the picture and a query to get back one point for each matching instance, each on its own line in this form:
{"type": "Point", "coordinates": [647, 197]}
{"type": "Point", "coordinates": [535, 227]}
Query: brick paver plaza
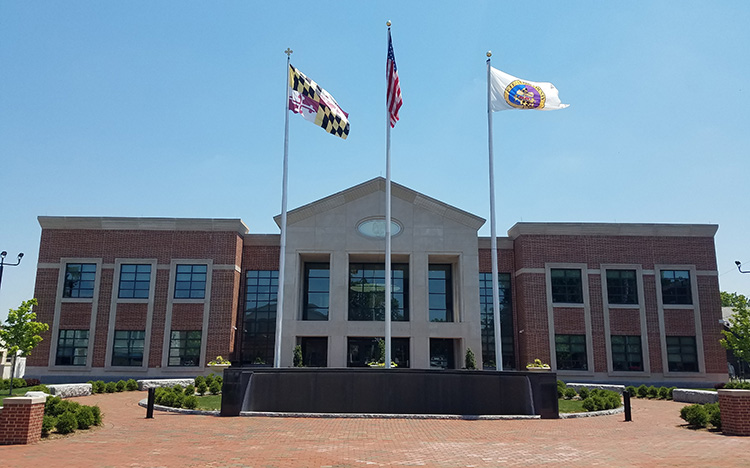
{"type": "Point", "coordinates": [655, 437]}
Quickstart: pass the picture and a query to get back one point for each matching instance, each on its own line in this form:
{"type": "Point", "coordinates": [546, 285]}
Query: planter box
{"type": "Point", "coordinates": [735, 412]}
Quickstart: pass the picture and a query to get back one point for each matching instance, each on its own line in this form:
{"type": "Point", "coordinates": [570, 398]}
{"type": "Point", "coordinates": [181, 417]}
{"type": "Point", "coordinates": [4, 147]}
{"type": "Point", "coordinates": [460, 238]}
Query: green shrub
{"type": "Point", "coordinates": [560, 388]}
{"type": "Point", "coordinates": [297, 360]}
{"type": "Point", "coordinates": [734, 384]}
{"type": "Point", "coordinates": [642, 391]}
{"type": "Point", "coordinates": [38, 388]}
{"type": "Point", "coordinates": [569, 393]}
{"type": "Point", "coordinates": [48, 423]}
{"type": "Point", "coordinates": [66, 423]}
{"type": "Point", "coordinates": [669, 392]}
{"type": "Point", "coordinates": [177, 388]}
{"type": "Point", "coordinates": [190, 402]}
{"type": "Point", "coordinates": [56, 406]}
{"type": "Point", "coordinates": [167, 399]}
{"type": "Point", "coordinates": [97, 415]}
{"type": "Point", "coordinates": [189, 390]}
{"type": "Point", "coordinates": [215, 388]}
{"type": "Point", "coordinates": [120, 386]}
{"type": "Point", "coordinates": [199, 379]}
{"type": "Point", "coordinates": [158, 393]}
{"type": "Point", "coordinates": [111, 387]}
{"type": "Point", "coordinates": [179, 398]}
{"type": "Point", "coordinates": [131, 385]}
{"type": "Point", "coordinates": [583, 392]}
{"type": "Point", "coordinates": [201, 388]}
{"type": "Point", "coordinates": [85, 417]}
{"type": "Point", "coordinates": [714, 414]}
{"type": "Point", "coordinates": [219, 379]}
{"type": "Point", "coordinates": [50, 406]}
{"type": "Point", "coordinates": [593, 403]}
{"type": "Point", "coordinates": [663, 393]}
{"type": "Point", "coordinates": [653, 392]}
{"type": "Point", "coordinates": [99, 386]}
{"type": "Point", "coordinates": [210, 379]}
{"type": "Point", "coordinates": [695, 415]}
{"type": "Point", "coordinates": [631, 390]}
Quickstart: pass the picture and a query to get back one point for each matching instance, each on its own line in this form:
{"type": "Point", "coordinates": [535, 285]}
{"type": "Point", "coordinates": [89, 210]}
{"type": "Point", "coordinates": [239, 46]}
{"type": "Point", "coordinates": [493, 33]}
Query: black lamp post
{"type": "Point", "coordinates": [736, 262]}
{"type": "Point", "coordinates": [3, 254]}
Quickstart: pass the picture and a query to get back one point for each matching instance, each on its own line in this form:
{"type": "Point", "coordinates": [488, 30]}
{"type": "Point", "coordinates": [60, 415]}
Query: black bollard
{"type": "Point", "coordinates": [150, 405]}
{"type": "Point", "coordinates": [626, 402]}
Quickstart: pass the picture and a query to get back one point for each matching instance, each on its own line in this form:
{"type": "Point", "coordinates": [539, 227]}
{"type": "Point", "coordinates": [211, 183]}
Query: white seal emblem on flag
{"type": "Point", "coordinates": [523, 95]}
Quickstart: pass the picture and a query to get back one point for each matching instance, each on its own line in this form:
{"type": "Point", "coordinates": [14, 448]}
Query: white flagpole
{"type": "Point", "coordinates": [282, 250]}
{"type": "Point", "coordinates": [493, 235]}
{"type": "Point", "coordinates": [387, 226]}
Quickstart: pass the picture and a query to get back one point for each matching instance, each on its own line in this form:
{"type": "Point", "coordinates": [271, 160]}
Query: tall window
{"type": "Point", "coordinates": [185, 348]}
{"type": "Point", "coordinates": [622, 287]}
{"type": "Point", "coordinates": [441, 293]}
{"type": "Point", "coordinates": [571, 352]}
{"type": "Point", "coordinates": [72, 348]}
{"type": "Point", "coordinates": [314, 351]}
{"type": "Point", "coordinates": [367, 292]}
{"type": "Point", "coordinates": [682, 354]}
{"type": "Point", "coordinates": [675, 287]}
{"type": "Point", "coordinates": [317, 287]}
{"type": "Point", "coordinates": [626, 353]}
{"type": "Point", "coordinates": [128, 350]}
{"type": "Point", "coordinates": [190, 282]}
{"type": "Point", "coordinates": [364, 350]}
{"type": "Point", "coordinates": [259, 324]}
{"type": "Point", "coordinates": [135, 281]}
{"type": "Point", "coordinates": [442, 355]}
{"type": "Point", "coordinates": [567, 286]}
{"type": "Point", "coordinates": [79, 280]}
{"type": "Point", "coordinates": [487, 318]}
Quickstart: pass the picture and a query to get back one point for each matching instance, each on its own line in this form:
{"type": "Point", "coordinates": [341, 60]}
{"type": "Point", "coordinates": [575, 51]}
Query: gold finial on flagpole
{"type": "Point", "coordinates": [288, 51]}
{"type": "Point", "coordinates": [388, 23]}
{"type": "Point", "coordinates": [489, 53]}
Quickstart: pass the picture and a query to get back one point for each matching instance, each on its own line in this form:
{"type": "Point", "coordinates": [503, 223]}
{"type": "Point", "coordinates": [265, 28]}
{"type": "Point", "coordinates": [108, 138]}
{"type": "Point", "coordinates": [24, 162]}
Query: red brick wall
{"type": "Point", "coordinates": [530, 304]}
{"type": "Point", "coordinates": [710, 303]}
{"type": "Point", "coordinates": [187, 317]}
{"type": "Point", "coordinates": [75, 315]}
{"type": "Point", "coordinates": [569, 321]}
{"type": "Point", "coordinates": [679, 322]}
{"type": "Point", "coordinates": [625, 321]}
{"type": "Point", "coordinates": [735, 412]}
{"type": "Point", "coordinates": [20, 423]}
{"type": "Point", "coordinates": [260, 257]}
{"type": "Point", "coordinates": [131, 316]}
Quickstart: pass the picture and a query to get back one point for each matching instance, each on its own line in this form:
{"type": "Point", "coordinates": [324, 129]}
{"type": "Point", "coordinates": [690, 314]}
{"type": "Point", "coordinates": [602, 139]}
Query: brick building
{"type": "Point", "coordinates": [142, 297]}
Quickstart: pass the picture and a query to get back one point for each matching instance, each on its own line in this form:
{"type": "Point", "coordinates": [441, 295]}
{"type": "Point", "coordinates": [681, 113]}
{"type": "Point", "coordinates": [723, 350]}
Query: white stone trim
{"type": "Point", "coordinates": [59, 300]}
{"type": "Point", "coordinates": [641, 306]}
{"type": "Point", "coordinates": [586, 315]}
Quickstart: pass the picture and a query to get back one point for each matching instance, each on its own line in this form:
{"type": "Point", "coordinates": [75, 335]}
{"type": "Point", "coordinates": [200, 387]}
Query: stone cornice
{"type": "Point", "coordinates": [612, 229]}
{"type": "Point", "coordinates": [142, 224]}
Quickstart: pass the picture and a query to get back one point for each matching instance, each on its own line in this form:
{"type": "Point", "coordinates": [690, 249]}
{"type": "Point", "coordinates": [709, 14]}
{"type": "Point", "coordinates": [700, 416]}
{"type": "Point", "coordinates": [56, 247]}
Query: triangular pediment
{"type": "Point", "coordinates": [378, 185]}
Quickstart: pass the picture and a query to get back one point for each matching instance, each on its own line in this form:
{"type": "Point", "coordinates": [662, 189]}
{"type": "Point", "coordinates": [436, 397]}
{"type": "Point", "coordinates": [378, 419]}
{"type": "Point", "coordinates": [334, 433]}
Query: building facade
{"type": "Point", "coordinates": [157, 297]}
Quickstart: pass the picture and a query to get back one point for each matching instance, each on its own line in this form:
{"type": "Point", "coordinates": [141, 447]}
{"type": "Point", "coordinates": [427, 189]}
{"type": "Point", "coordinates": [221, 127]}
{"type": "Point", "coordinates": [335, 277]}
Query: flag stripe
{"type": "Point", "coordinates": [393, 95]}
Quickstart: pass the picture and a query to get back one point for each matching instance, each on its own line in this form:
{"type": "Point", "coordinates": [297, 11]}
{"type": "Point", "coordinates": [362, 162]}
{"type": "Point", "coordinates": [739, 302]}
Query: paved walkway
{"type": "Point", "coordinates": [654, 438]}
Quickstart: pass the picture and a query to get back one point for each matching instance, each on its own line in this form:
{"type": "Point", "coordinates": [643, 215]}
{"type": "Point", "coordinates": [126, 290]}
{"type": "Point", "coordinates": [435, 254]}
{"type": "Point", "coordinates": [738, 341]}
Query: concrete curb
{"type": "Point", "coordinates": [591, 414]}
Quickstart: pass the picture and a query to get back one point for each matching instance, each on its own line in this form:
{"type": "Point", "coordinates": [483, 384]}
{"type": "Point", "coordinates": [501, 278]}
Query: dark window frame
{"type": "Point", "coordinates": [440, 292]}
{"type": "Point", "coordinates": [314, 287]}
{"type": "Point", "coordinates": [314, 350]}
{"type": "Point", "coordinates": [364, 305]}
{"type": "Point", "coordinates": [81, 283]}
{"type": "Point", "coordinates": [367, 349]}
{"type": "Point", "coordinates": [575, 357]}
{"type": "Point", "coordinates": [627, 353]}
{"type": "Point", "coordinates": [186, 352]}
{"type": "Point", "coordinates": [487, 320]}
{"type": "Point", "coordinates": [134, 284]}
{"type": "Point", "coordinates": [680, 357]}
{"type": "Point", "coordinates": [128, 340]}
{"type": "Point", "coordinates": [676, 290]}
{"type": "Point", "coordinates": [621, 288]}
{"type": "Point", "coordinates": [189, 281]}
{"type": "Point", "coordinates": [70, 350]}
{"type": "Point", "coordinates": [259, 321]}
{"type": "Point", "coordinates": [566, 285]}
{"type": "Point", "coordinates": [442, 361]}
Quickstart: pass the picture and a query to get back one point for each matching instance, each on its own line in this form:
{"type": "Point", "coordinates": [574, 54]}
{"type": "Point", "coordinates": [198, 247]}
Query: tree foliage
{"type": "Point", "coordinates": [21, 330]}
{"type": "Point", "coordinates": [737, 339]}
{"type": "Point", "coordinates": [732, 299]}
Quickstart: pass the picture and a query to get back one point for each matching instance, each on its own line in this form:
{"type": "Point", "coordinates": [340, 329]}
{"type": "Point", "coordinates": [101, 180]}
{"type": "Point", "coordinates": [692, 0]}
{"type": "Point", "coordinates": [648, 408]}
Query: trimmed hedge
{"type": "Point", "coordinates": [68, 416]}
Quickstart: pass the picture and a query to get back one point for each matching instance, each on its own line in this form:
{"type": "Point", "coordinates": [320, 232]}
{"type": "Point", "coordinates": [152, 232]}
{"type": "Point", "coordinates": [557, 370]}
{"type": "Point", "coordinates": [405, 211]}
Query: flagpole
{"type": "Point", "coordinates": [493, 234]}
{"type": "Point", "coordinates": [282, 249]}
{"type": "Point", "coordinates": [387, 224]}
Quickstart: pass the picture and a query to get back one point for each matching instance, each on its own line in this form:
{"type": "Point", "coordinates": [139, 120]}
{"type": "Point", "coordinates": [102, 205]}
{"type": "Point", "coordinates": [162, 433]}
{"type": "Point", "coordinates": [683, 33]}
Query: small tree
{"type": "Point", "coordinates": [20, 333]}
{"type": "Point", "coordinates": [737, 339]}
{"type": "Point", "coordinates": [298, 356]}
{"type": "Point", "coordinates": [470, 361]}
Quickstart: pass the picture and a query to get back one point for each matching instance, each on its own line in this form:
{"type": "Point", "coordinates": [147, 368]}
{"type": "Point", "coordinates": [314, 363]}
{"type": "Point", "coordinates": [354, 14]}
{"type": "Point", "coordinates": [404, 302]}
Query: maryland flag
{"type": "Point", "coordinates": [316, 104]}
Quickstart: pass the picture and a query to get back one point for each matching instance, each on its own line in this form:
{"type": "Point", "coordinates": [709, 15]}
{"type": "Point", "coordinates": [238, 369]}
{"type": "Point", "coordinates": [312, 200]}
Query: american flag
{"type": "Point", "coordinates": [393, 98]}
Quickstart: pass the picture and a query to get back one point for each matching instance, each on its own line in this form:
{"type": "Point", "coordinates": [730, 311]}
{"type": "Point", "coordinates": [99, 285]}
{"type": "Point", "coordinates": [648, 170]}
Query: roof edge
{"type": "Point", "coordinates": [143, 224]}
{"type": "Point", "coordinates": [613, 229]}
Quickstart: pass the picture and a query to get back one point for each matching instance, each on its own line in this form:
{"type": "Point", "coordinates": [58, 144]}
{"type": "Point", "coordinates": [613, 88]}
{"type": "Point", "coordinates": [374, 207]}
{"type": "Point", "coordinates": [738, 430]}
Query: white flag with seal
{"type": "Point", "coordinates": [509, 92]}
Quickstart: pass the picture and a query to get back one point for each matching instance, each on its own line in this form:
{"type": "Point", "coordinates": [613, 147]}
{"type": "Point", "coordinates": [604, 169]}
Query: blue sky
{"type": "Point", "coordinates": [176, 109]}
